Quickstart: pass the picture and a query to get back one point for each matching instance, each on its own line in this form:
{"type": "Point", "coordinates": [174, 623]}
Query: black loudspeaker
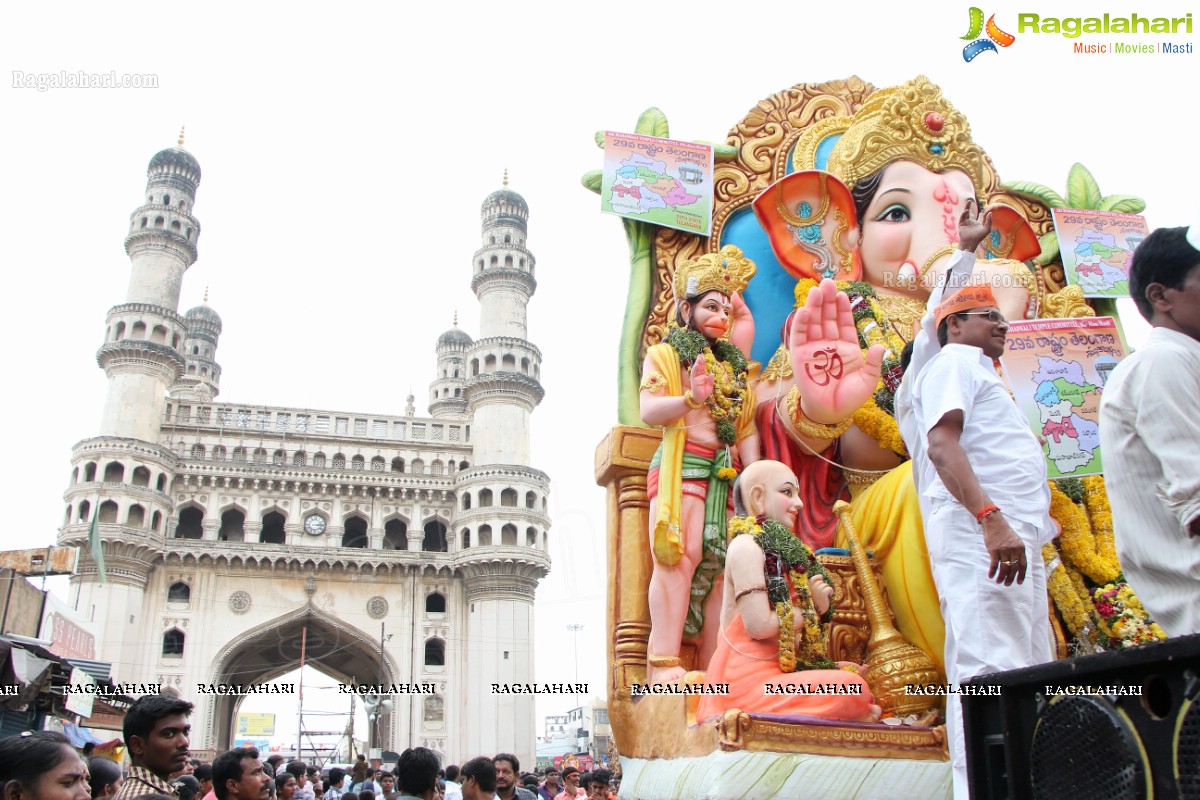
{"type": "Point", "coordinates": [1121, 725]}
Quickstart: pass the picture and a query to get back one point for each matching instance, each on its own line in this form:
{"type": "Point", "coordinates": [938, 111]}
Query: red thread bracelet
{"type": "Point", "coordinates": [985, 512]}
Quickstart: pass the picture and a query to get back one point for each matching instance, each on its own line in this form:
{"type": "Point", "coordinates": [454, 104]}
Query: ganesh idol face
{"type": "Point", "coordinates": [708, 314]}
{"type": "Point", "coordinates": [914, 213]}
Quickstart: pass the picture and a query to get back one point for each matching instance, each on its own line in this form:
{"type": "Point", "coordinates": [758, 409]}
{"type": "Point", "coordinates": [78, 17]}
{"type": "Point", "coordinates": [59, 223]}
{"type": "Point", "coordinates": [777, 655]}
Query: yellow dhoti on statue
{"type": "Point", "coordinates": [887, 516]}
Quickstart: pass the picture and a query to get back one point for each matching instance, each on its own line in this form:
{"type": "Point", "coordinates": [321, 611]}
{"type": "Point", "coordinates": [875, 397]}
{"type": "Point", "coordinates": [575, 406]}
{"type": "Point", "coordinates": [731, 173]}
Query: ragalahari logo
{"type": "Point", "coordinates": [994, 37]}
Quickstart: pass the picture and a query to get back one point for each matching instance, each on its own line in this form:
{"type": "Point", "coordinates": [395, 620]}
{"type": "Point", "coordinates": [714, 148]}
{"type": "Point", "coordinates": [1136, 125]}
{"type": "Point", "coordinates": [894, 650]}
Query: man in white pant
{"type": "Point", "coordinates": [987, 509]}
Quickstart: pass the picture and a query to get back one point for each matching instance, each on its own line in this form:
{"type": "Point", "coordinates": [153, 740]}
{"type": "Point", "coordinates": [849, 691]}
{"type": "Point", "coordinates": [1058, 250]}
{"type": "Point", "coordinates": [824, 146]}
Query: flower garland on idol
{"type": "Point", "coordinates": [876, 417]}
{"type": "Point", "coordinates": [729, 368]}
{"type": "Point", "coordinates": [789, 565]}
{"type": "Point", "coordinates": [1084, 576]}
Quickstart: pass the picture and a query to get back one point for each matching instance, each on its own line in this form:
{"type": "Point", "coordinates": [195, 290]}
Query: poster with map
{"type": "Point", "coordinates": [1057, 369]}
{"type": "Point", "coordinates": [1096, 248]}
{"type": "Point", "coordinates": [660, 181]}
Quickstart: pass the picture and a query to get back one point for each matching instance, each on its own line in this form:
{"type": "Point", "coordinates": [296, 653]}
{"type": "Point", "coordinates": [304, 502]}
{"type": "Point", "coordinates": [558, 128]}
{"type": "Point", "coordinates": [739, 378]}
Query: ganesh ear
{"type": "Point", "coordinates": [1017, 239]}
{"type": "Point", "coordinates": [805, 204]}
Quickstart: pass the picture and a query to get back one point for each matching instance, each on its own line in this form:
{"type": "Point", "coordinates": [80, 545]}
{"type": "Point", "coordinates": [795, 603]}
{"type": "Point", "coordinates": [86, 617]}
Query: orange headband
{"type": "Point", "coordinates": [964, 299]}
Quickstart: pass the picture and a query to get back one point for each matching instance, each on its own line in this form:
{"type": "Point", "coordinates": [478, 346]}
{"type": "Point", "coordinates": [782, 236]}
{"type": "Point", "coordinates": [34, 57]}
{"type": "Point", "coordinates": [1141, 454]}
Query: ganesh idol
{"type": "Point", "coordinates": [697, 385]}
{"type": "Point", "coordinates": [891, 203]}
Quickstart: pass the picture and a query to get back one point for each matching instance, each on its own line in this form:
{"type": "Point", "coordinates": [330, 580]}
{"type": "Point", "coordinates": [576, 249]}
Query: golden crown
{"type": "Point", "coordinates": [726, 272]}
{"type": "Point", "coordinates": [912, 122]}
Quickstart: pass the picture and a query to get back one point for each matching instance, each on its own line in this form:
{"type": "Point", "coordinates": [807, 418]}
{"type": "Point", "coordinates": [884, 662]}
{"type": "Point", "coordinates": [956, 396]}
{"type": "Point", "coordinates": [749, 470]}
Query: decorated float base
{"type": "Point", "coordinates": [759, 776]}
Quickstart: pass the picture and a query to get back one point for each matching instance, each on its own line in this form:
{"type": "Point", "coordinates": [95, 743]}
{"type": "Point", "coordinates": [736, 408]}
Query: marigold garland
{"type": "Point", "coordinates": [1096, 499]}
{"type": "Point", "coordinates": [1074, 608]}
{"type": "Point", "coordinates": [1077, 543]}
{"type": "Point", "coordinates": [880, 426]}
{"type": "Point", "coordinates": [1088, 583]}
{"type": "Point", "coordinates": [788, 566]}
{"type": "Point", "coordinates": [787, 636]}
{"type": "Point", "coordinates": [729, 368]}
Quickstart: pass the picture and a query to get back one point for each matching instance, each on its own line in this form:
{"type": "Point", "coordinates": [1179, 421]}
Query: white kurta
{"type": "Point", "coordinates": [989, 627]}
{"type": "Point", "coordinates": [925, 347]}
{"type": "Point", "coordinates": [1150, 438]}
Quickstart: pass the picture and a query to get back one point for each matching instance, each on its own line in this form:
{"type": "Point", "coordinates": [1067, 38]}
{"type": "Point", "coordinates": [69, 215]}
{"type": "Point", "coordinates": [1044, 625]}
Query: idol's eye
{"type": "Point", "coordinates": [894, 213]}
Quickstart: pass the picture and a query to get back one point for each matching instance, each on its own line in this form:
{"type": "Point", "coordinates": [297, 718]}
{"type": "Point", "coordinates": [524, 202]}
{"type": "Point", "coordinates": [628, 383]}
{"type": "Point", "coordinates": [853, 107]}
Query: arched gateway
{"type": "Point", "coordinates": [274, 648]}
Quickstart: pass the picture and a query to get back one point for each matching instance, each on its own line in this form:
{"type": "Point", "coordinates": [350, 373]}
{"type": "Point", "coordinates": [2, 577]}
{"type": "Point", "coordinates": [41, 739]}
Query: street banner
{"type": "Point", "coordinates": [1097, 247]}
{"type": "Point", "coordinates": [660, 181]}
{"type": "Point", "coordinates": [1056, 369]}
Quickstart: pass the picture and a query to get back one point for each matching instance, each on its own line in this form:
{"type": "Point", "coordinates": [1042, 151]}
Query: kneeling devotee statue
{"type": "Point", "coordinates": [774, 646]}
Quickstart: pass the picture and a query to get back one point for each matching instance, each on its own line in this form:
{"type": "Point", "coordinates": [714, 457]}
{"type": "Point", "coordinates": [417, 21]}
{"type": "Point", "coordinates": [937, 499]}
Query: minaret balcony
{"type": "Point", "coordinates": [141, 354]}
{"type": "Point", "coordinates": [141, 239]}
{"type": "Point", "coordinates": [502, 386]}
{"type": "Point", "coordinates": [88, 490]}
{"type": "Point", "coordinates": [498, 515]}
{"type": "Point", "coordinates": [118, 313]}
{"type": "Point", "coordinates": [493, 277]}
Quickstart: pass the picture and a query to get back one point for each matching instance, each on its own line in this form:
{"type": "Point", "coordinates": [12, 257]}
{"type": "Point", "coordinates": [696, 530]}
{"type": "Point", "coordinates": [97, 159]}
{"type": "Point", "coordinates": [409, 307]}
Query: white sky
{"type": "Point", "coordinates": [346, 150]}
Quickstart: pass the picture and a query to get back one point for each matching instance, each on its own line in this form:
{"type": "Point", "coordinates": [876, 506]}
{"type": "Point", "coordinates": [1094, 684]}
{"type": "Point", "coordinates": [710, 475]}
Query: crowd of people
{"type": "Point", "coordinates": [43, 765]}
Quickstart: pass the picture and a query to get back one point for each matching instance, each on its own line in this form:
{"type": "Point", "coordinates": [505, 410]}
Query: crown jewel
{"type": "Point", "coordinates": [912, 122]}
{"type": "Point", "coordinates": [726, 272]}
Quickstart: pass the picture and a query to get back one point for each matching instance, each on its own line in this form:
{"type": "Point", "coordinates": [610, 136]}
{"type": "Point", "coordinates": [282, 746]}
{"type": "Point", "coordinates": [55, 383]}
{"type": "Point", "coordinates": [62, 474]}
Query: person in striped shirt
{"type": "Point", "coordinates": [1150, 434]}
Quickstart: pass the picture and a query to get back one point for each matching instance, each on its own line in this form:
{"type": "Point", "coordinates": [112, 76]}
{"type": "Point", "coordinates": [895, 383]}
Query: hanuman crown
{"type": "Point", "coordinates": [726, 272]}
{"type": "Point", "coordinates": [912, 122]}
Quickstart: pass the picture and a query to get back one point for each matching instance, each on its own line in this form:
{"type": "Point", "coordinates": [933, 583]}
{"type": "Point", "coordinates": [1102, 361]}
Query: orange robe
{"type": "Point", "coordinates": [750, 665]}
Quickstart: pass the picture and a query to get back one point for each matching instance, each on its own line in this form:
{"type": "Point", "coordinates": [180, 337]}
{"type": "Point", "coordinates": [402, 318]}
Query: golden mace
{"type": "Point", "coordinates": [892, 662]}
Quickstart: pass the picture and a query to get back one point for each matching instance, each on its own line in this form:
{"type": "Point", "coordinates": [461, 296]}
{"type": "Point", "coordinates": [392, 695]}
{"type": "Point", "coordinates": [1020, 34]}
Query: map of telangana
{"type": "Point", "coordinates": [1097, 247]}
{"type": "Point", "coordinates": [1057, 370]}
{"type": "Point", "coordinates": [660, 181]}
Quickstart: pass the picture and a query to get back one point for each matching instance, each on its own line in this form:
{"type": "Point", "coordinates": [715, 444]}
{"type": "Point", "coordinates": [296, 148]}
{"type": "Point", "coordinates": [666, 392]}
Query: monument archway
{"type": "Point", "coordinates": [272, 649]}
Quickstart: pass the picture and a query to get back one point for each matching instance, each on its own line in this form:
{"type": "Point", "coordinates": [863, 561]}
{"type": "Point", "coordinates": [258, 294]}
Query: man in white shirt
{"type": "Point", "coordinates": [453, 788]}
{"type": "Point", "coordinates": [987, 505]}
{"type": "Point", "coordinates": [1150, 434]}
{"type": "Point", "coordinates": [974, 226]}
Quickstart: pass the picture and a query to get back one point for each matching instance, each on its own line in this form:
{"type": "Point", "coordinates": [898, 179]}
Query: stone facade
{"type": "Point", "coordinates": [236, 535]}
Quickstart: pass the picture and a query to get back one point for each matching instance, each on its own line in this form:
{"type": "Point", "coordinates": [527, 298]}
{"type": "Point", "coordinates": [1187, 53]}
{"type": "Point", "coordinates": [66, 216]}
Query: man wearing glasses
{"type": "Point", "coordinates": [986, 502]}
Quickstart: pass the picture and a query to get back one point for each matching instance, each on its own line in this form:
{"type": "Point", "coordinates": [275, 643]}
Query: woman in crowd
{"type": "Point", "coordinates": [285, 786]}
{"type": "Point", "coordinates": [105, 777]}
{"type": "Point", "coordinates": [42, 765]}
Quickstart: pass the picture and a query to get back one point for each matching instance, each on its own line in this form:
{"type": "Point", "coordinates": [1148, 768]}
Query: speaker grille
{"type": "Point", "coordinates": [1187, 753]}
{"type": "Point", "coordinates": [1083, 749]}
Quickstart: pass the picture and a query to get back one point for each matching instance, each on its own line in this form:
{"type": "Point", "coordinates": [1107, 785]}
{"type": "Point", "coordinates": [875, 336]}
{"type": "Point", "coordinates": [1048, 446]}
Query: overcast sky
{"type": "Point", "coordinates": [345, 153]}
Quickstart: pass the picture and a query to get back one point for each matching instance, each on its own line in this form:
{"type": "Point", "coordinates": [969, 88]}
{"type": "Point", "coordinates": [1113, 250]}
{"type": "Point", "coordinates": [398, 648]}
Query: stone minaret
{"type": "Point", "coordinates": [123, 476]}
{"type": "Point", "coordinates": [447, 396]}
{"type": "Point", "coordinates": [201, 379]}
{"type": "Point", "coordinates": [502, 498]}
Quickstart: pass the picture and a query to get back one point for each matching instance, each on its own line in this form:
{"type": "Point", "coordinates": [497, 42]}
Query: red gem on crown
{"type": "Point", "coordinates": [935, 121]}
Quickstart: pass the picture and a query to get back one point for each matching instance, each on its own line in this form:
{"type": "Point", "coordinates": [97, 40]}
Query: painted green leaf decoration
{"type": "Point", "coordinates": [1050, 249]}
{"type": "Point", "coordinates": [1082, 189]}
{"type": "Point", "coordinates": [1123, 203]}
{"type": "Point", "coordinates": [1036, 191]}
{"type": "Point", "coordinates": [600, 139]}
{"type": "Point", "coordinates": [724, 152]}
{"type": "Point", "coordinates": [592, 179]}
{"type": "Point", "coordinates": [721, 152]}
{"type": "Point", "coordinates": [652, 122]}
